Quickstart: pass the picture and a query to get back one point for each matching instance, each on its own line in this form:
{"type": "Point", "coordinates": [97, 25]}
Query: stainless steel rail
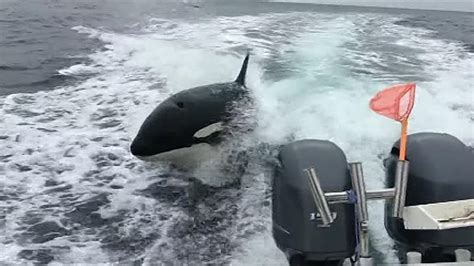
{"type": "Point", "coordinates": [359, 195]}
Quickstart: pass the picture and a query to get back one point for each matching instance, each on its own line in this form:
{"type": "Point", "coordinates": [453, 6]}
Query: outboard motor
{"type": "Point", "coordinates": [441, 170]}
{"type": "Point", "coordinates": [297, 227]}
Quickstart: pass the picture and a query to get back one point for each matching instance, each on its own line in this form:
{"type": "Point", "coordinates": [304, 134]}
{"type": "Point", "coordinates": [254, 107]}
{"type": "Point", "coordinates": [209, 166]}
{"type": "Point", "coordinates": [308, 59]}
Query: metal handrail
{"type": "Point", "coordinates": [322, 200]}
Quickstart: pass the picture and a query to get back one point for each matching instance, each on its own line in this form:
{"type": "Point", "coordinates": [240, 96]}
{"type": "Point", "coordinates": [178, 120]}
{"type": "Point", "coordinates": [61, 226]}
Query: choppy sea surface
{"type": "Point", "coordinates": [77, 78]}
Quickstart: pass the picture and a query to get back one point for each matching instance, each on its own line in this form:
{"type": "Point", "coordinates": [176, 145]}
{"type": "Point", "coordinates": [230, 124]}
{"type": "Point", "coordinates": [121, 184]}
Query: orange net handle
{"type": "Point", "coordinates": [403, 140]}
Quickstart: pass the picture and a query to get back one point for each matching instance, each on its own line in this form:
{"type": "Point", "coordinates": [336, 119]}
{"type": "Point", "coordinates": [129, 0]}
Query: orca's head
{"type": "Point", "coordinates": [165, 129]}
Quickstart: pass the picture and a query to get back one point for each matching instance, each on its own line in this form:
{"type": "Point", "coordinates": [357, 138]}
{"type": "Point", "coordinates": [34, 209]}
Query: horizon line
{"type": "Point", "coordinates": [370, 6]}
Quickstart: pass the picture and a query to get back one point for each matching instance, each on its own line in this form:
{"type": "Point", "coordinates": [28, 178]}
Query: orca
{"type": "Point", "coordinates": [191, 118]}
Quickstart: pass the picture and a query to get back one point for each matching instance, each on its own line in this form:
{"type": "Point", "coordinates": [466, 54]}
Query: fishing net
{"type": "Point", "coordinates": [395, 102]}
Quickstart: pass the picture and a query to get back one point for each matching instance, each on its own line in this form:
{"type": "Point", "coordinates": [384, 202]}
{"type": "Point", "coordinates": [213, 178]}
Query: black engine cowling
{"type": "Point", "coordinates": [296, 228]}
{"type": "Point", "coordinates": [441, 169]}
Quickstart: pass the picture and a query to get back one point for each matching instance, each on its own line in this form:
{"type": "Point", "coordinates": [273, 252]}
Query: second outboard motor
{"type": "Point", "coordinates": [441, 170]}
{"type": "Point", "coordinates": [297, 229]}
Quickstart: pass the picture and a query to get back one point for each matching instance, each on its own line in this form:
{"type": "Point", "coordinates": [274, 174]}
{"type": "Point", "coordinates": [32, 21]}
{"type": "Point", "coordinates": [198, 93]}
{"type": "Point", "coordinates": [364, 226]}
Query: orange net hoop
{"type": "Point", "coordinates": [395, 102]}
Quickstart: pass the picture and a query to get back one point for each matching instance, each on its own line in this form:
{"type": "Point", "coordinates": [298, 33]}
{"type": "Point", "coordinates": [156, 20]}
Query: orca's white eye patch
{"type": "Point", "coordinates": [209, 130]}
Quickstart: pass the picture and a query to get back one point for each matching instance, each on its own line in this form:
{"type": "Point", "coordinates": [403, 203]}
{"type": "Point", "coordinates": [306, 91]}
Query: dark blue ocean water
{"type": "Point", "coordinates": [37, 37]}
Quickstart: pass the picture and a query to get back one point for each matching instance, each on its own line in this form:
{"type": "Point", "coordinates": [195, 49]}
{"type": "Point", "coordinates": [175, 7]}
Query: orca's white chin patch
{"type": "Point", "coordinates": [188, 158]}
{"type": "Point", "coordinates": [203, 160]}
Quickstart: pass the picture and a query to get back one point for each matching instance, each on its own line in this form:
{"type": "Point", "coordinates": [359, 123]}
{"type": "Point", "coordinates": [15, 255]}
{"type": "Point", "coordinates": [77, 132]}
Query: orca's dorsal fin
{"type": "Point", "coordinates": [241, 78]}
